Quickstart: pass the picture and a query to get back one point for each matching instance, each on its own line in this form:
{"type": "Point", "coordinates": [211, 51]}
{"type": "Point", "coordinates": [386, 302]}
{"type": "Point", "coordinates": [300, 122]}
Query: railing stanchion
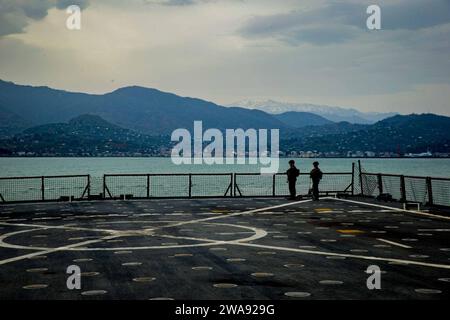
{"type": "Point", "coordinates": [430, 191]}
{"type": "Point", "coordinates": [273, 186]}
{"type": "Point", "coordinates": [89, 186]}
{"type": "Point", "coordinates": [190, 185]}
{"type": "Point", "coordinates": [361, 178]}
{"type": "Point", "coordinates": [353, 179]}
{"type": "Point", "coordinates": [380, 183]}
{"type": "Point", "coordinates": [104, 186]}
{"type": "Point", "coordinates": [402, 188]}
{"type": "Point", "coordinates": [148, 186]}
{"type": "Point", "coordinates": [231, 185]}
{"type": "Point", "coordinates": [42, 188]}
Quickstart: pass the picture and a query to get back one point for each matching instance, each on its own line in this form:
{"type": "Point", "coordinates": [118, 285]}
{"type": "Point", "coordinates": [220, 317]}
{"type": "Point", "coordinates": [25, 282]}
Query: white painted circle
{"type": "Point", "coordinates": [297, 294]}
{"type": "Point", "coordinates": [262, 274]}
{"type": "Point", "coordinates": [331, 282]}
{"type": "Point", "coordinates": [37, 270]}
{"type": "Point", "coordinates": [94, 292]}
{"type": "Point", "coordinates": [202, 268]}
{"type": "Point", "coordinates": [225, 285]}
{"type": "Point", "coordinates": [35, 286]}
{"type": "Point", "coordinates": [144, 279]}
{"type": "Point", "coordinates": [428, 291]}
{"type": "Point", "coordinates": [294, 266]}
{"type": "Point", "coordinates": [257, 234]}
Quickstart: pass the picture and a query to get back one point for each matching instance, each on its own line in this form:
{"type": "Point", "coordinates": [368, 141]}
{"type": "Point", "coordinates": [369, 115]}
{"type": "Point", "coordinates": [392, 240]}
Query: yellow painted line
{"type": "Point", "coordinates": [323, 210]}
{"type": "Point", "coordinates": [348, 231]}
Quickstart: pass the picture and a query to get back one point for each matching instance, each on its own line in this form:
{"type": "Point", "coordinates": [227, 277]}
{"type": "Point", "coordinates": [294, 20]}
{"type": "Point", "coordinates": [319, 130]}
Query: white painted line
{"type": "Point", "coordinates": [65, 227]}
{"type": "Point", "coordinates": [394, 243]}
{"type": "Point", "coordinates": [234, 214]}
{"type": "Point", "coordinates": [241, 242]}
{"type": "Point", "coordinates": [392, 208]}
{"type": "Point", "coordinates": [406, 262]}
{"type": "Point", "coordinates": [256, 234]}
{"type": "Point", "coordinates": [43, 252]}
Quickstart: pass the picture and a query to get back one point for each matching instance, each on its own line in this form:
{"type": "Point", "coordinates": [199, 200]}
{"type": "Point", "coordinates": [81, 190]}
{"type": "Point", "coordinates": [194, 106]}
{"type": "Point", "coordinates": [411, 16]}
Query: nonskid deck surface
{"type": "Point", "coordinates": [221, 249]}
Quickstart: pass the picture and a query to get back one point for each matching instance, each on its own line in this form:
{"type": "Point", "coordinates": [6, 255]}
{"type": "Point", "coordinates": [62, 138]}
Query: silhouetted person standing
{"type": "Point", "coordinates": [292, 174]}
{"type": "Point", "coordinates": [316, 175]}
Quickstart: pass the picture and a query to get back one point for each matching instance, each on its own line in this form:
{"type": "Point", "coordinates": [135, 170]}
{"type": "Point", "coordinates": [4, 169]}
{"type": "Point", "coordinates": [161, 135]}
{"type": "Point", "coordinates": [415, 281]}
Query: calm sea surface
{"type": "Point", "coordinates": [98, 166]}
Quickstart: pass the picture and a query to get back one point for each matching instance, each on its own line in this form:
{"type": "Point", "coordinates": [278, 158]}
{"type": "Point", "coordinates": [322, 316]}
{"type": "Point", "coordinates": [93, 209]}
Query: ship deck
{"type": "Point", "coordinates": [235, 248]}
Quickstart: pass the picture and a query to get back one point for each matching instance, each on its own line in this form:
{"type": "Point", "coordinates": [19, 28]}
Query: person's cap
{"type": "Point", "coordinates": [315, 163]}
{"type": "Point", "coordinates": [291, 162]}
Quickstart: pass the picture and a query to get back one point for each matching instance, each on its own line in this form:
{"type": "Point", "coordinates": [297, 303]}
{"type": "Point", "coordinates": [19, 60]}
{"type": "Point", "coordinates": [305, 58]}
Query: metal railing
{"type": "Point", "coordinates": [256, 185]}
{"type": "Point", "coordinates": [142, 186]}
{"type": "Point", "coordinates": [189, 185]}
{"type": "Point", "coordinates": [45, 188]}
{"type": "Point", "coordinates": [425, 190]}
{"type": "Point", "coordinates": [404, 188]}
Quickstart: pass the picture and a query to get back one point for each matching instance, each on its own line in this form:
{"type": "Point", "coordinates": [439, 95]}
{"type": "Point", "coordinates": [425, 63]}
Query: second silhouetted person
{"type": "Point", "coordinates": [316, 175]}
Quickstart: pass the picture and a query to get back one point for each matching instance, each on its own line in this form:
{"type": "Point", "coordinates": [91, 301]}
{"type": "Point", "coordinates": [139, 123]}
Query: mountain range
{"type": "Point", "coordinates": [145, 110]}
{"type": "Point", "coordinates": [140, 120]}
{"type": "Point", "coordinates": [335, 114]}
{"type": "Point", "coordinates": [301, 119]}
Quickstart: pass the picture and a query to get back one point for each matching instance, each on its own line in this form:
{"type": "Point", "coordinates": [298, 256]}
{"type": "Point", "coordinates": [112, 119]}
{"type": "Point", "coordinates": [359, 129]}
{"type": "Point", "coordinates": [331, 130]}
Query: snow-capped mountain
{"type": "Point", "coordinates": [335, 114]}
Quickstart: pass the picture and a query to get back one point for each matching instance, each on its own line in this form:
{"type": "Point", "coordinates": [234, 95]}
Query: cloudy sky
{"type": "Point", "coordinates": [312, 51]}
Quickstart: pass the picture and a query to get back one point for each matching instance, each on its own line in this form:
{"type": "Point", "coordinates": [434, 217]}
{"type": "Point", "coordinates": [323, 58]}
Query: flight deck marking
{"type": "Point", "coordinates": [394, 243]}
{"type": "Point", "coordinates": [431, 215]}
{"type": "Point", "coordinates": [406, 262]}
{"type": "Point", "coordinates": [34, 254]}
{"type": "Point", "coordinates": [239, 242]}
{"type": "Point", "coordinates": [258, 233]}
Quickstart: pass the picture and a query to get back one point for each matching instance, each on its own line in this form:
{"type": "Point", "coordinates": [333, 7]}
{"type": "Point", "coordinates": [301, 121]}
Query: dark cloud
{"type": "Point", "coordinates": [15, 15]}
{"type": "Point", "coordinates": [321, 35]}
{"type": "Point", "coordinates": [416, 14]}
{"type": "Point", "coordinates": [179, 2]}
{"type": "Point", "coordinates": [340, 21]}
{"type": "Point", "coordinates": [183, 2]}
{"type": "Point", "coordinates": [63, 4]}
{"type": "Point", "coordinates": [174, 2]}
{"type": "Point", "coordinates": [333, 23]}
{"type": "Point", "coordinates": [35, 9]}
